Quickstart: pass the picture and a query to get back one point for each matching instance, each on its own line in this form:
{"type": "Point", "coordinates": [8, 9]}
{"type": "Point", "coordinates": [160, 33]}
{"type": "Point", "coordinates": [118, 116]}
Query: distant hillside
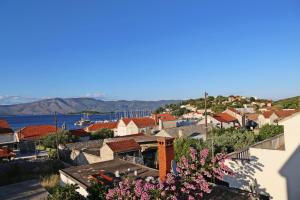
{"type": "Point", "coordinates": [74, 105]}
{"type": "Point", "coordinates": [293, 102]}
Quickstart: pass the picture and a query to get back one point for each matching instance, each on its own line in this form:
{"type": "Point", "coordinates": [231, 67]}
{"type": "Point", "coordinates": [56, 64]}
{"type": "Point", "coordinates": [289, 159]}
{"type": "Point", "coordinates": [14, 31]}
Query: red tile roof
{"type": "Point", "coordinates": [163, 117]}
{"type": "Point", "coordinates": [123, 146]}
{"type": "Point", "coordinates": [99, 126]}
{"type": "Point", "coordinates": [36, 132]}
{"type": "Point", "coordinates": [144, 122]}
{"type": "Point", "coordinates": [141, 122]}
{"type": "Point", "coordinates": [252, 116]}
{"type": "Point", "coordinates": [224, 117]}
{"type": "Point", "coordinates": [6, 153]}
{"type": "Point", "coordinates": [267, 114]}
{"type": "Point", "coordinates": [285, 113]}
{"type": "Point", "coordinates": [279, 113]}
{"type": "Point", "coordinates": [126, 120]}
{"type": "Point", "coordinates": [4, 124]}
{"type": "Point", "coordinates": [79, 133]}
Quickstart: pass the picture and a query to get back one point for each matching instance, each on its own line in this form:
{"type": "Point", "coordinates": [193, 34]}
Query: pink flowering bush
{"type": "Point", "coordinates": [190, 182]}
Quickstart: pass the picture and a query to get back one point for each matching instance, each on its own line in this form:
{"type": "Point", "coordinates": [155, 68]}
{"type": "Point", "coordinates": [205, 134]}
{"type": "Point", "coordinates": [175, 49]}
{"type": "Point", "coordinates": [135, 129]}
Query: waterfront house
{"type": "Point", "coordinates": [102, 125]}
{"type": "Point", "coordinates": [131, 126]}
{"type": "Point", "coordinates": [29, 136]}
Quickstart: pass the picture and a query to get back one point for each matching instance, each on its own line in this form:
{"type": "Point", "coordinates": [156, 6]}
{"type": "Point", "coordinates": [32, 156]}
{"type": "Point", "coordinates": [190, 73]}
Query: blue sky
{"type": "Point", "coordinates": [149, 50]}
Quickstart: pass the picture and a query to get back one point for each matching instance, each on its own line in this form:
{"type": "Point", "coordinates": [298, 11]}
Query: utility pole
{"type": "Point", "coordinates": [206, 128]}
{"type": "Point", "coordinates": [56, 133]}
{"type": "Point", "coordinates": [205, 112]}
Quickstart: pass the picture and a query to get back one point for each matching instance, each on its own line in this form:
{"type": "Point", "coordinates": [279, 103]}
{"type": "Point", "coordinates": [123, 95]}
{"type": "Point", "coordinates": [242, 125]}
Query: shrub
{"type": "Point", "coordinates": [102, 134]}
{"type": "Point", "coordinates": [97, 191]}
{"type": "Point", "coordinates": [50, 182]}
{"type": "Point", "coordinates": [268, 131]}
{"type": "Point", "coordinates": [190, 181]}
{"type": "Point", "coordinates": [67, 192]}
{"type": "Point", "coordinates": [49, 141]}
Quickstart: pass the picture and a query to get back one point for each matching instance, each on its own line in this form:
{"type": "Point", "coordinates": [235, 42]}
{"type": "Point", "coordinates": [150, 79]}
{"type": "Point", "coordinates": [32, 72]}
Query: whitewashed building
{"type": "Point", "coordinates": [271, 167]}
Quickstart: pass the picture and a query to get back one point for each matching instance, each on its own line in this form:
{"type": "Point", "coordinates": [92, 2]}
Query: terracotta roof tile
{"type": "Point", "coordinates": [164, 117]}
{"type": "Point", "coordinates": [141, 122]}
{"type": "Point", "coordinates": [252, 116]}
{"type": "Point", "coordinates": [224, 117]}
{"type": "Point", "coordinates": [144, 122]}
{"type": "Point", "coordinates": [127, 120]}
{"type": "Point", "coordinates": [267, 114]}
{"type": "Point", "coordinates": [79, 133]}
{"type": "Point", "coordinates": [280, 113]}
{"type": "Point", "coordinates": [285, 113]}
{"type": "Point", "coordinates": [36, 132]}
{"type": "Point", "coordinates": [4, 124]}
{"type": "Point", "coordinates": [123, 146]}
{"type": "Point", "coordinates": [99, 126]}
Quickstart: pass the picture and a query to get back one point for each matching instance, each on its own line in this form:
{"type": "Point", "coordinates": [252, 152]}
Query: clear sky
{"type": "Point", "coordinates": [149, 50]}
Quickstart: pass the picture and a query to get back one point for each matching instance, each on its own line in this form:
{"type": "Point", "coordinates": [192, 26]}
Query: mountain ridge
{"type": "Point", "coordinates": [73, 105]}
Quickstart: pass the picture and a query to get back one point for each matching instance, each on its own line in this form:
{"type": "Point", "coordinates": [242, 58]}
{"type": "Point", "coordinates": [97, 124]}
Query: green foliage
{"type": "Point", "coordinates": [223, 140]}
{"type": "Point", "coordinates": [268, 131]}
{"type": "Point", "coordinates": [102, 134]}
{"type": "Point", "coordinates": [179, 112]}
{"type": "Point", "coordinates": [290, 103]}
{"type": "Point", "coordinates": [97, 191]}
{"type": "Point", "coordinates": [218, 108]}
{"type": "Point", "coordinates": [252, 99]}
{"type": "Point", "coordinates": [159, 110]}
{"type": "Point", "coordinates": [67, 192]}
{"type": "Point", "coordinates": [229, 140]}
{"type": "Point", "coordinates": [182, 146]}
{"type": "Point", "coordinates": [52, 153]}
{"type": "Point", "coordinates": [50, 140]}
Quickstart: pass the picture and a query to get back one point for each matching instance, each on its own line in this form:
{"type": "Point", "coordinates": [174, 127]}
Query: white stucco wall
{"type": "Point", "coordinates": [276, 172]}
{"type": "Point", "coordinates": [106, 153]}
{"type": "Point", "coordinates": [132, 128]}
{"type": "Point", "coordinates": [82, 158]}
{"type": "Point", "coordinates": [64, 180]}
{"type": "Point", "coordinates": [121, 129]}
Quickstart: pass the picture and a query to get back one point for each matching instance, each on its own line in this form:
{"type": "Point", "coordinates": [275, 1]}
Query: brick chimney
{"type": "Point", "coordinates": [165, 156]}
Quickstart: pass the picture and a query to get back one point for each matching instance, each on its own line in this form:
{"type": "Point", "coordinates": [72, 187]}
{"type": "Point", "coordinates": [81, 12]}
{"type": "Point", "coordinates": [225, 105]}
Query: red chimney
{"type": "Point", "coordinates": [165, 156]}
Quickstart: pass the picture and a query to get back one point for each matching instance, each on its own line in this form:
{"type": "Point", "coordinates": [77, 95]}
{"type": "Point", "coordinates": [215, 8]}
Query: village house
{"type": "Point", "coordinates": [273, 116]}
{"type": "Point", "coordinates": [191, 131]}
{"type": "Point", "coordinates": [270, 167]}
{"type": "Point", "coordinates": [221, 120]}
{"type": "Point", "coordinates": [164, 120]}
{"type": "Point", "coordinates": [112, 171]}
{"type": "Point", "coordinates": [131, 126]}
{"type": "Point", "coordinates": [79, 134]}
{"type": "Point", "coordinates": [234, 113]}
{"type": "Point", "coordinates": [252, 120]}
{"type": "Point", "coordinates": [105, 173]}
{"type": "Point", "coordinates": [89, 152]}
{"type": "Point", "coordinates": [102, 125]}
{"type": "Point", "coordinates": [29, 136]}
{"type": "Point", "coordinates": [193, 115]}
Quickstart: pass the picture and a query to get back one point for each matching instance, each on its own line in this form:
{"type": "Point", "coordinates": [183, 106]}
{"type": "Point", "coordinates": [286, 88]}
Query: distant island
{"type": "Point", "coordinates": [90, 112]}
{"type": "Point", "coordinates": [80, 105]}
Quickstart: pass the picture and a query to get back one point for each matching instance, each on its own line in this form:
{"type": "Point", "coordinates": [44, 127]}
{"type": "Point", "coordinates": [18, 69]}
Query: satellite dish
{"type": "Point", "coordinates": [174, 167]}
